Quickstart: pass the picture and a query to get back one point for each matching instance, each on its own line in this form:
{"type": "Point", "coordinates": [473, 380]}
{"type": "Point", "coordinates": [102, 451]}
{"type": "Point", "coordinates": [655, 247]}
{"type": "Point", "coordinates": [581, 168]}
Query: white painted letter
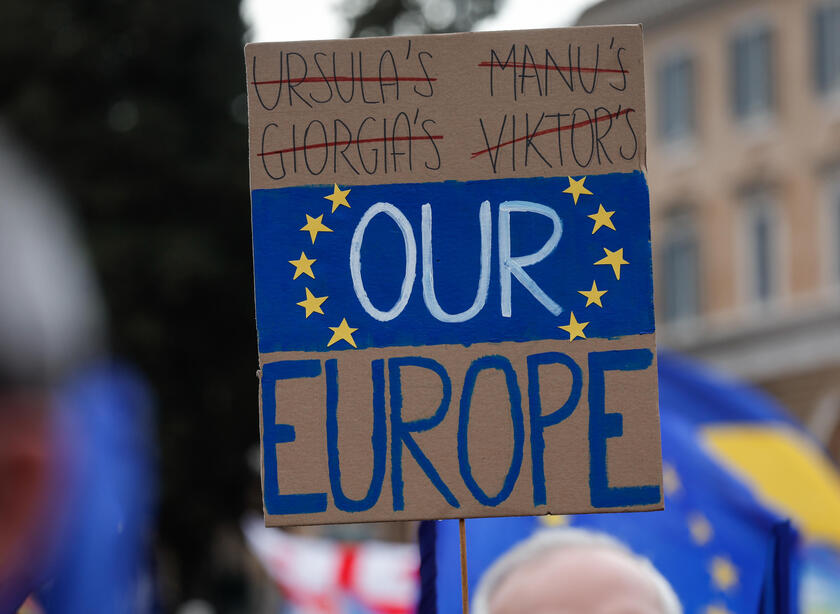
{"type": "Point", "coordinates": [516, 265]}
{"type": "Point", "coordinates": [410, 261]}
{"type": "Point", "coordinates": [429, 273]}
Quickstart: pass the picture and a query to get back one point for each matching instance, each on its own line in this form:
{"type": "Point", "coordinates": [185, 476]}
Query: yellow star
{"type": "Point", "coordinates": [723, 572]}
{"type": "Point", "coordinates": [338, 197]}
{"type": "Point", "coordinates": [554, 520]}
{"type": "Point", "coordinates": [303, 265]}
{"type": "Point", "coordinates": [576, 188]}
{"type": "Point", "coordinates": [312, 303]}
{"type": "Point", "coordinates": [670, 480]}
{"type": "Point", "coordinates": [700, 529]}
{"type": "Point", "coordinates": [615, 260]}
{"type": "Point", "coordinates": [574, 328]}
{"type": "Point", "coordinates": [717, 608]}
{"type": "Point", "coordinates": [593, 296]}
{"type": "Point", "coordinates": [342, 331]}
{"type": "Point", "coordinates": [602, 218]}
{"type": "Point", "coordinates": [314, 226]}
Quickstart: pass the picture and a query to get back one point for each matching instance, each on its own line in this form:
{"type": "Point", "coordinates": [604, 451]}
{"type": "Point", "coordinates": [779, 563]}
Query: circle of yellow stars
{"type": "Point", "coordinates": [615, 259]}
{"type": "Point", "coordinates": [344, 332]}
{"type": "Point", "coordinates": [304, 266]}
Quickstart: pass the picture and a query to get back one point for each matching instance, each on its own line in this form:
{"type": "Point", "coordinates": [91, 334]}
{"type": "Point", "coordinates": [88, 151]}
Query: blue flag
{"type": "Point", "coordinates": [105, 504]}
{"type": "Point", "coordinates": [724, 541]}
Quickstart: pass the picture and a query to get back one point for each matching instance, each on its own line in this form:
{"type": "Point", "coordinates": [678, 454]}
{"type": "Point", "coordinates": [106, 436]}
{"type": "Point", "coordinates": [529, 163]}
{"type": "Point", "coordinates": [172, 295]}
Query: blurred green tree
{"type": "Point", "coordinates": [385, 17]}
{"type": "Point", "coordinates": [138, 109]}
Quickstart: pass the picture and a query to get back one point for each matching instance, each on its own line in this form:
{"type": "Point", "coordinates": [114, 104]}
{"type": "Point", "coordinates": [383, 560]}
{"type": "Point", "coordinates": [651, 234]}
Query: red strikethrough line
{"type": "Point", "coordinates": [434, 137]}
{"type": "Point", "coordinates": [341, 79]}
{"type": "Point", "coordinates": [552, 67]}
{"type": "Point", "coordinates": [580, 124]}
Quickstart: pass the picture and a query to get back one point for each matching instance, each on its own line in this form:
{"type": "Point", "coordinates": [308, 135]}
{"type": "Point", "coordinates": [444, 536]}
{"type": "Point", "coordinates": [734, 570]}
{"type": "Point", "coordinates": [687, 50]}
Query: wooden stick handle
{"type": "Point", "coordinates": [465, 596]}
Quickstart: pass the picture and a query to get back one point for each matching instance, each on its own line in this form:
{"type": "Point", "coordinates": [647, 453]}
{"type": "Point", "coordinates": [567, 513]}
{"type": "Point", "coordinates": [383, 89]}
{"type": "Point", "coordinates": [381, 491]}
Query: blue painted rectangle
{"type": "Point", "coordinates": [280, 214]}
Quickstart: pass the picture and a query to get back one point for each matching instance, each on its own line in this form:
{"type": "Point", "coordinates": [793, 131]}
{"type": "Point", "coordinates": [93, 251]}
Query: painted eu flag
{"type": "Point", "coordinates": [452, 262]}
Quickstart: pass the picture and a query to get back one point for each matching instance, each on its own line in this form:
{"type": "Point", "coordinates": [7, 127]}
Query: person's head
{"type": "Point", "coordinates": [50, 321]}
{"type": "Point", "coordinates": [573, 571]}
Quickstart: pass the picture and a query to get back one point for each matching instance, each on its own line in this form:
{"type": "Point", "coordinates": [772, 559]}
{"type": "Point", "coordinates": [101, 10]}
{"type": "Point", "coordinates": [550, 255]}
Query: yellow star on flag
{"type": "Point", "coordinates": [670, 479]}
{"type": "Point", "coordinates": [303, 265]}
{"type": "Point", "coordinates": [602, 218]}
{"type": "Point", "coordinates": [723, 572]}
{"type": "Point", "coordinates": [576, 188]}
{"type": "Point", "coordinates": [314, 225]}
{"type": "Point", "coordinates": [593, 296]}
{"type": "Point", "coordinates": [615, 260]}
{"type": "Point", "coordinates": [342, 332]}
{"type": "Point", "coordinates": [554, 520]}
{"type": "Point", "coordinates": [717, 608]}
{"type": "Point", "coordinates": [574, 328]}
{"type": "Point", "coordinates": [338, 197]}
{"type": "Point", "coordinates": [312, 303]}
{"type": "Point", "coordinates": [700, 529]}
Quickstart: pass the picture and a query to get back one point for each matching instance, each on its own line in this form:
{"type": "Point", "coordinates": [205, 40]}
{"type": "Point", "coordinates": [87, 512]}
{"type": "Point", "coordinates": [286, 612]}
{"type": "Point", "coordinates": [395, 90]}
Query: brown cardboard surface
{"type": "Point", "coordinates": [435, 98]}
{"type": "Point", "coordinates": [633, 459]}
{"type": "Point", "coordinates": [426, 109]}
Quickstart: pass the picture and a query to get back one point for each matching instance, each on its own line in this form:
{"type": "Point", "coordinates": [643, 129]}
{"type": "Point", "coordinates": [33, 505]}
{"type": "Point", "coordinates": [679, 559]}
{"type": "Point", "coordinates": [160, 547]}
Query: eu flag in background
{"type": "Point", "coordinates": [738, 476]}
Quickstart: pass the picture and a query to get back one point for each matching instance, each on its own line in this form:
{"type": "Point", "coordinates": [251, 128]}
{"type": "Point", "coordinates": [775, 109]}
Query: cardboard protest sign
{"type": "Point", "coordinates": [453, 280]}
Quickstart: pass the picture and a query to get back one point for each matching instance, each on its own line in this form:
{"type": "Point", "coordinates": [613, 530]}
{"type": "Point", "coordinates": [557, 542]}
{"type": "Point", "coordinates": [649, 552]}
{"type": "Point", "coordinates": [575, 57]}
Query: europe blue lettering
{"type": "Point", "coordinates": [502, 364]}
{"type": "Point", "coordinates": [401, 431]}
{"type": "Point", "coordinates": [603, 425]}
{"type": "Point", "coordinates": [275, 503]}
{"type": "Point", "coordinates": [377, 439]}
{"type": "Point", "coordinates": [539, 422]}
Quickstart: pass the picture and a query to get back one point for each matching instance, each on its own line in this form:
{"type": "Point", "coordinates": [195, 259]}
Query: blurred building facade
{"type": "Point", "coordinates": [743, 103]}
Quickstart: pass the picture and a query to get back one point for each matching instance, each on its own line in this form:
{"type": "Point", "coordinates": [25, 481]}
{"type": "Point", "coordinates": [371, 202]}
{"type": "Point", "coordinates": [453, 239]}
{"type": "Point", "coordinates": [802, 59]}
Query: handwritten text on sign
{"type": "Point", "coordinates": [453, 279]}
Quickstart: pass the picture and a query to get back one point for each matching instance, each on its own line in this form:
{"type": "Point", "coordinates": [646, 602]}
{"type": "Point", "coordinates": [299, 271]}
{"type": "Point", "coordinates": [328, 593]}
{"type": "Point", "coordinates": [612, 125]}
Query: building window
{"type": "Point", "coordinates": [675, 97]}
{"type": "Point", "coordinates": [826, 37]}
{"type": "Point", "coordinates": [833, 234]}
{"type": "Point", "coordinates": [752, 72]}
{"type": "Point", "coordinates": [835, 209]}
{"type": "Point", "coordinates": [761, 248]}
{"type": "Point", "coordinates": [679, 261]}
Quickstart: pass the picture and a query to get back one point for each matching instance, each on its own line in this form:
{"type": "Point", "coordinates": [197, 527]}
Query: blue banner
{"type": "Point", "coordinates": [452, 262]}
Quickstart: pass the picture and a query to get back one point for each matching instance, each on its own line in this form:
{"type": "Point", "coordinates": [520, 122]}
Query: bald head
{"type": "Point", "coordinates": [577, 580]}
{"type": "Point", "coordinates": [570, 571]}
